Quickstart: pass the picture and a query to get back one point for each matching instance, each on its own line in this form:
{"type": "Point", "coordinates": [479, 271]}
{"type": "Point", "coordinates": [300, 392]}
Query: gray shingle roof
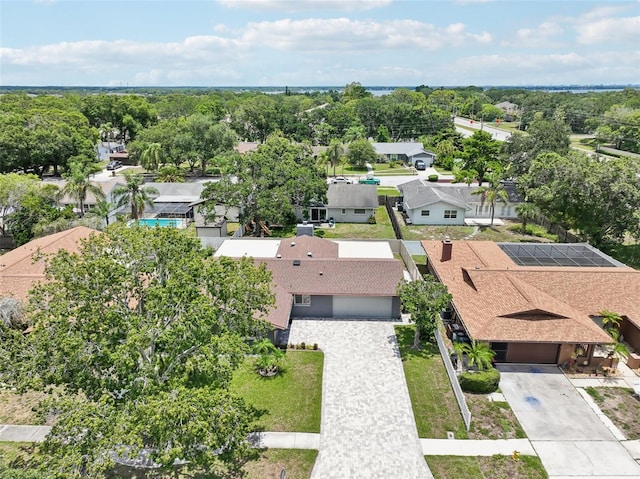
{"type": "Point", "coordinates": [402, 148]}
{"type": "Point", "coordinates": [352, 196]}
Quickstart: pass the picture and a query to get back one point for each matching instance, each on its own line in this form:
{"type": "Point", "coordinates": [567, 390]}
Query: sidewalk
{"type": "Point", "coordinates": [301, 440]}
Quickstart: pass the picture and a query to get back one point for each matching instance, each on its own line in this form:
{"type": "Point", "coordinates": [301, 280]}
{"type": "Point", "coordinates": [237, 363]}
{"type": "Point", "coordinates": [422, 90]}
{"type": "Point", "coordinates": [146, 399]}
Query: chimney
{"type": "Point", "coordinates": [447, 246]}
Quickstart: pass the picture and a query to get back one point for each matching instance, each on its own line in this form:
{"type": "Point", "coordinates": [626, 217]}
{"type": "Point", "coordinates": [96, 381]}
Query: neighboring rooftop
{"type": "Point", "coordinates": [22, 267]}
{"type": "Point", "coordinates": [499, 300]}
{"type": "Point", "coordinates": [553, 254]}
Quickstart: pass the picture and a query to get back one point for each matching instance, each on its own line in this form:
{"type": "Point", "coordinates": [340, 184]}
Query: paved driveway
{"type": "Point", "coordinates": [565, 432]}
{"type": "Point", "coordinates": [367, 429]}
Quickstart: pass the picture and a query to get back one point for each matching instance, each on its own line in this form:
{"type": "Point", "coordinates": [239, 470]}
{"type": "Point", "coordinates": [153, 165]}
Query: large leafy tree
{"type": "Point", "coordinates": [141, 330]}
{"type": "Point", "coordinates": [134, 195]}
{"type": "Point", "coordinates": [13, 188]}
{"type": "Point", "coordinates": [361, 152]}
{"type": "Point", "coordinates": [268, 184]}
{"type": "Point", "coordinates": [424, 300]}
{"type": "Point", "coordinates": [38, 214]}
{"type": "Point", "coordinates": [599, 199]}
{"type": "Point", "coordinates": [481, 154]}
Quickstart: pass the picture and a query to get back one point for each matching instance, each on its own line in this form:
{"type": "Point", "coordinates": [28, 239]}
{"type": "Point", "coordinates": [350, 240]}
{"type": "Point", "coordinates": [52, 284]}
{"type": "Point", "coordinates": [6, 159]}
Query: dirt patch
{"type": "Point", "coordinates": [621, 406]}
{"type": "Point", "coordinates": [18, 408]}
{"type": "Point", "coordinates": [492, 419]}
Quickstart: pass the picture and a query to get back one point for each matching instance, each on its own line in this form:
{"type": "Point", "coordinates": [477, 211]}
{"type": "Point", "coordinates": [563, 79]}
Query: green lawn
{"type": "Point", "coordinates": [291, 401]}
{"type": "Point", "coordinates": [381, 230]}
{"type": "Point", "coordinates": [381, 169]}
{"type": "Point", "coordinates": [494, 467]}
{"type": "Point", "coordinates": [298, 464]}
{"type": "Point", "coordinates": [434, 406]}
{"type": "Point", "coordinates": [492, 419]}
{"type": "Point", "coordinates": [506, 232]}
{"type": "Point", "coordinates": [388, 190]}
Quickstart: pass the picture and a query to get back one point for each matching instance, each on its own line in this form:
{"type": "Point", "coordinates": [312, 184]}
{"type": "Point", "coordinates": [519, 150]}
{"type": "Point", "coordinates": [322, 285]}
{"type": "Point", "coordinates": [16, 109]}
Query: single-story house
{"type": "Point", "coordinates": [536, 302]}
{"type": "Point", "coordinates": [22, 267]}
{"type": "Point", "coordinates": [424, 205]}
{"type": "Point", "coordinates": [407, 152]}
{"type": "Point", "coordinates": [444, 196]}
{"type": "Point", "coordinates": [511, 110]}
{"type": "Point", "coordinates": [346, 204]}
{"type": "Point", "coordinates": [317, 278]}
{"type": "Point", "coordinates": [90, 201]}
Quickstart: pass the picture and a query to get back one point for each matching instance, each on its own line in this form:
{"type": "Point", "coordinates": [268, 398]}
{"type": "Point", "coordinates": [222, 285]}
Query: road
{"type": "Point", "coordinates": [496, 133]}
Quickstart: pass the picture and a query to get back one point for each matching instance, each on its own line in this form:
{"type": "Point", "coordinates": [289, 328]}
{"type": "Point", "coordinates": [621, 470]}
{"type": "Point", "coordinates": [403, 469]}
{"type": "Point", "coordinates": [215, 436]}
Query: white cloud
{"type": "Point", "coordinates": [346, 35]}
{"type": "Point", "coordinates": [552, 69]}
{"type": "Point", "coordinates": [616, 30]}
{"type": "Point", "coordinates": [304, 5]}
{"type": "Point", "coordinates": [543, 36]}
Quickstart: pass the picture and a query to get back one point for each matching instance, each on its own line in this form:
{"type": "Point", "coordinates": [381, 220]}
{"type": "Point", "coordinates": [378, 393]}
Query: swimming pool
{"type": "Point", "coordinates": [161, 222]}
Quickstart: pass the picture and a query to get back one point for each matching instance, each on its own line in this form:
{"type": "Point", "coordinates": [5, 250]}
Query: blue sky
{"type": "Point", "coordinates": [318, 42]}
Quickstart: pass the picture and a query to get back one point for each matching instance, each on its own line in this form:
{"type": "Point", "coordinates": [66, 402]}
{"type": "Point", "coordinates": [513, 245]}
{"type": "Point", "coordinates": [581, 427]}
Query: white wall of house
{"type": "Point", "coordinates": [502, 210]}
{"type": "Point", "coordinates": [436, 214]}
{"type": "Point", "coordinates": [350, 215]}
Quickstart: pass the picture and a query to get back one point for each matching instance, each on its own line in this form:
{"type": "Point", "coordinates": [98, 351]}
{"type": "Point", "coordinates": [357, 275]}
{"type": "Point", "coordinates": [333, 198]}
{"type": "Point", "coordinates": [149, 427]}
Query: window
{"type": "Point", "coordinates": [343, 211]}
{"type": "Point", "coordinates": [301, 300]}
{"type": "Point", "coordinates": [359, 211]}
{"type": "Point", "coordinates": [450, 213]}
{"type": "Point", "coordinates": [424, 213]}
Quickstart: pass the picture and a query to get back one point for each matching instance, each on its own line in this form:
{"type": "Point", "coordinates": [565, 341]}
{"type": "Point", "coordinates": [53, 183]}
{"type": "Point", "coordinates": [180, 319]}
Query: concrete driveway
{"type": "Point", "coordinates": [565, 432]}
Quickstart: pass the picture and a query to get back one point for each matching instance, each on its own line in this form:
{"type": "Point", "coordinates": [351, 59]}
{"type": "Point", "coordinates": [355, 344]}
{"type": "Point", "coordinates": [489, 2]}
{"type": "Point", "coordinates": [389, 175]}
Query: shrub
{"type": "Point", "coordinates": [213, 171]}
{"type": "Point", "coordinates": [433, 178]}
{"type": "Point", "coordinates": [372, 220]}
{"type": "Point", "coordinates": [480, 381]}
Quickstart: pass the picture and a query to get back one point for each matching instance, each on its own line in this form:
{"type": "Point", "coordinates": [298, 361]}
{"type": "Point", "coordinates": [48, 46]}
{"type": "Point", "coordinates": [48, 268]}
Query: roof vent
{"type": "Point", "coordinates": [321, 273]}
{"type": "Point", "coordinates": [278, 255]}
{"type": "Point", "coordinates": [296, 262]}
{"type": "Point", "coordinates": [293, 243]}
{"type": "Point", "coordinates": [309, 254]}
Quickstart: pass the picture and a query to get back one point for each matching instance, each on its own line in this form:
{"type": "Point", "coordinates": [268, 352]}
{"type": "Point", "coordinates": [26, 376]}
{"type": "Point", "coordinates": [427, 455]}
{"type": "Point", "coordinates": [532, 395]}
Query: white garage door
{"type": "Point", "coordinates": [362, 307]}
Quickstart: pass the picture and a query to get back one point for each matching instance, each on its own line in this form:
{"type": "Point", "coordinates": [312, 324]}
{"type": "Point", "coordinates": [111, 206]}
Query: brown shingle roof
{"type": "Point", "coordinates": [19, 271]}
{"type": "Point", "coordinates": [501, 301]}
{"type": "Point", "coordinates": [329, 277]}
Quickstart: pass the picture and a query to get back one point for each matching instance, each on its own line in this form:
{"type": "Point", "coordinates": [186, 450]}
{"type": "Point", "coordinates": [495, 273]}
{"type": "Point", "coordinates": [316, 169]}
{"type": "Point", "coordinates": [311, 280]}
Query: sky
{"type": "Point", "coordinates": [319, 42]}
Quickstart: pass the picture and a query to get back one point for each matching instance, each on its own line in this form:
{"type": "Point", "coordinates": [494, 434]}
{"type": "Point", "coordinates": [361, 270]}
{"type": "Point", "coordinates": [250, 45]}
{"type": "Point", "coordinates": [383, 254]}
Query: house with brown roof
{"type": "Point", "coordinates": [22, 267]}
{"type": "Point", "coordinates": [534, 302]}
{"type": "Point", "coordinates": [317, 278]}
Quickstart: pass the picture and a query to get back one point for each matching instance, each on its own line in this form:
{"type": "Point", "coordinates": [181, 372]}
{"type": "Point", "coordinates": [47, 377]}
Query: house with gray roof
{"type": "Point", "coordinates": [407, 152]}
{"type": "Point", "coordinates": [345, 204]}
{"type": "Point", "coordinates": [444, 196]}
{"type": "Point", "coordinates": [423, 204]}
{"type": "Point", "coordinates": [318, 278]}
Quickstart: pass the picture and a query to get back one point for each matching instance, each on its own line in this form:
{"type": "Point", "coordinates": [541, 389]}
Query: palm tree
{"type": "Point", "coordinates": [170, 174]}
{"type": "Point", "coordinates": [334, 152]}
{"type": "Point", "coordinates": [102, 209]}
{"type": "Point", "coordinates": [152, 156]}
{"type": "Point", "coordinates": [134, 195]}
{"type": "Point", "coordinates": [610, 320]}
{"type": "Point", "coordinates": [78, 184]}
{"type": "Point", "coordinates": [527, 212]}
{"type": "Point", "coordinates": [493, 192]}
{"type": "Point", "coordinates": [269, 358]}
{"type": "Point", "coordinates": [479, 353]}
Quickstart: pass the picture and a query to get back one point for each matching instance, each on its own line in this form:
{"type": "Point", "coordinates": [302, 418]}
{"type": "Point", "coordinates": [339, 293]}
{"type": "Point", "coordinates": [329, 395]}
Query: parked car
{"type": "Point", "coordinates": [114, 165]}
{"type": "Point", "coordinates": [370, 180]}
{"type": "Point", "coordinates": [421, 165]}
{"type": "Point", "coordinates": [341, 179]}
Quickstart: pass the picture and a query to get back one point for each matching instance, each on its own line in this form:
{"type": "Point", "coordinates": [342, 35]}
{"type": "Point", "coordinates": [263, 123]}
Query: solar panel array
{"type": "Point", "coordinates": [551, 254]}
